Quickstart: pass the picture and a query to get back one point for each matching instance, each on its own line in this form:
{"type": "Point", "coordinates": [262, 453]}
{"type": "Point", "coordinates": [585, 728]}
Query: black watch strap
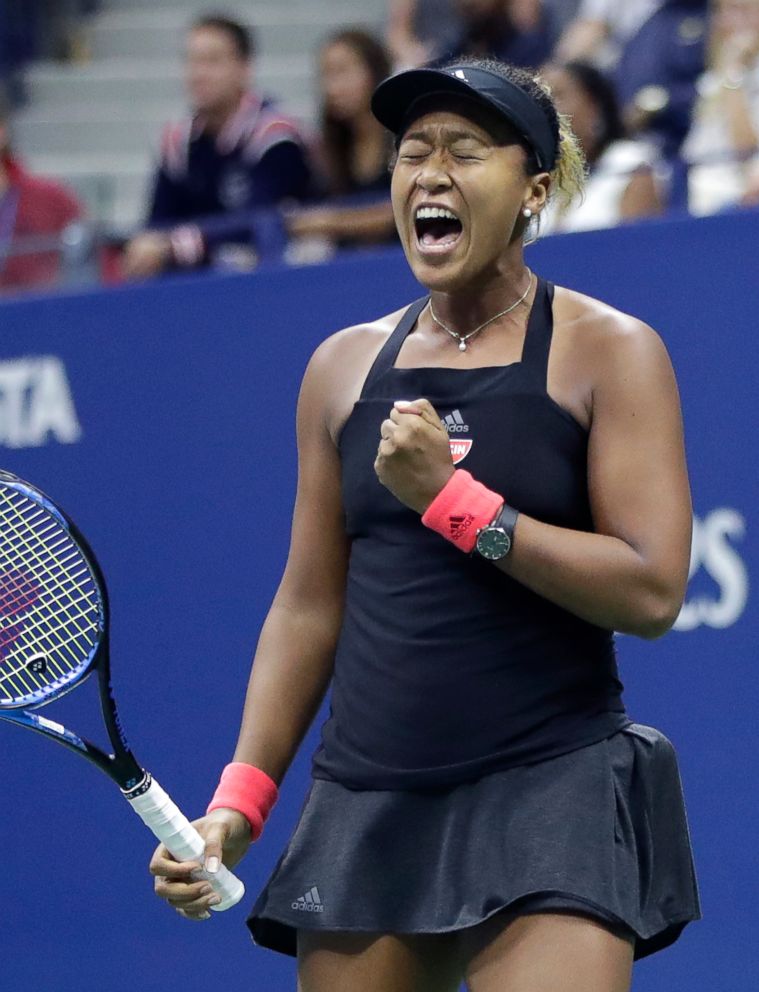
{"type": "Point", "coordinates": [507, 520]}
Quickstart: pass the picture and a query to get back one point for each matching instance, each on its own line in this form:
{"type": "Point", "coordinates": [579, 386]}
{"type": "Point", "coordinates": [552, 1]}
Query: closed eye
{"type": "Point", "coordinates": [467, 154]}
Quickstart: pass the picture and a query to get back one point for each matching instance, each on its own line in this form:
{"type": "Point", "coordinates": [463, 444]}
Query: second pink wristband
{"type": "Point", "coordinates": [248, 790]}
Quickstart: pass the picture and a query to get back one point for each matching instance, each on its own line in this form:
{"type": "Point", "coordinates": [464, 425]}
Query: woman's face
{"type": "Point", "coordinates": [572, 100]}
{"type": "Point", "coordinates": [458, 193]}
{"type": "Point", "coordinates": [346, 82]}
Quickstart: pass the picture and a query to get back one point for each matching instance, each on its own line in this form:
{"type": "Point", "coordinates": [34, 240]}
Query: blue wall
{"type": "Point", "coordinates": [163, 418]}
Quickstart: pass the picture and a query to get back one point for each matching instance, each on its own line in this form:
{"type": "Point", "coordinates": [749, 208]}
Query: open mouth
{"type": "Point", "coordinates": [437, 228]}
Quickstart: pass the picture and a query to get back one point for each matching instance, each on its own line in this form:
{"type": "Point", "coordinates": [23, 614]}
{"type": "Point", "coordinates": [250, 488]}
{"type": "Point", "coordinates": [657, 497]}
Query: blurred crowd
{"type": "Point", "coordinates": [662, 94]}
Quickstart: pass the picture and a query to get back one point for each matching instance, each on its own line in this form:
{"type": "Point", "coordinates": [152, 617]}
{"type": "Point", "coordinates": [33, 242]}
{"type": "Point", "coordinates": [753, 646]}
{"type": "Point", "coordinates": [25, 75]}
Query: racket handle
{"type": "Point", "coordinates": [182, 840]}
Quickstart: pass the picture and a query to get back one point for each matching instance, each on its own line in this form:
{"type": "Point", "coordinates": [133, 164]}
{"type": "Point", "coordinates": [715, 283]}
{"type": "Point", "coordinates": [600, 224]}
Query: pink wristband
{"type": "Point", "coordinates": [248, 790]}
{"type": "Point", "coordinates": [461, 508]}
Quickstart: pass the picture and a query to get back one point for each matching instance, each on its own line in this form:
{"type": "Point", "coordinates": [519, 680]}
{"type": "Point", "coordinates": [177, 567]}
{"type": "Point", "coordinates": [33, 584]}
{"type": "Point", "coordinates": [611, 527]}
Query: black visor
{"type": "Point", "coordinates": [394, 97]}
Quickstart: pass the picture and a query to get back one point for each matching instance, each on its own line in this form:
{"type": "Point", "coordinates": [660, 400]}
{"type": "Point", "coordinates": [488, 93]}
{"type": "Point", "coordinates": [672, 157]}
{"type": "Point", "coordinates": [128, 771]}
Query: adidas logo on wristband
{"type": "Point", "coordinates": [460, 525]}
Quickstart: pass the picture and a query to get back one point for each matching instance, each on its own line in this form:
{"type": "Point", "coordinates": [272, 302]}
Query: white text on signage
{"type": "Point", "coordinates": [713, 550]}
{"type": "Point", "coordinates": [36, 405]}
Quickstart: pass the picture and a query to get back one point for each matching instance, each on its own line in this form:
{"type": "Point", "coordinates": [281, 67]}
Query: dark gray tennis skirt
{"type": "Point", "coordinates": [600, 831]}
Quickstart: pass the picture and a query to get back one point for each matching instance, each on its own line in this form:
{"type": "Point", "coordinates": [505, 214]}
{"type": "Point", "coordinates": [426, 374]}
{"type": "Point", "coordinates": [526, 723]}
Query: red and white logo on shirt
{"type": "Point", "coordinates": [460, 446]}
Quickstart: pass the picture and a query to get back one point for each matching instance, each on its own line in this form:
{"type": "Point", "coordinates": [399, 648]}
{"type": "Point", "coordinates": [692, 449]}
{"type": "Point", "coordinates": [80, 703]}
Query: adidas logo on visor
{"type": "Point", "coordinates": [310, 902]}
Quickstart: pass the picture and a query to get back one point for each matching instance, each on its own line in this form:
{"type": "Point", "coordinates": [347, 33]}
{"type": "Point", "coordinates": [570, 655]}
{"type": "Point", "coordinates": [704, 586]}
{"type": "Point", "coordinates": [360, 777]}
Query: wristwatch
{"type": "Point", "coordinates": [494, 541]}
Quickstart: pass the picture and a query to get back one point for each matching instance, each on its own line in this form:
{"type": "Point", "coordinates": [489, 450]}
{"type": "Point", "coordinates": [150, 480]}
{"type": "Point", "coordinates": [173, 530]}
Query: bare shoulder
{"type": "Point", "coordinates": [597, 351]}
{"type": "Point", "coordinates": [605, 337]}
{"type": "Point", "coordinates": [339, 365]}
{"type": "Point", "coordinates": [351, 343]}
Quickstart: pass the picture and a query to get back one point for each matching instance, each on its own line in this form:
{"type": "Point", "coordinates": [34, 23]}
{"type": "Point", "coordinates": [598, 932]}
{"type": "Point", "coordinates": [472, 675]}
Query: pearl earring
{"type": "Point", "coordinates": [527, 212]}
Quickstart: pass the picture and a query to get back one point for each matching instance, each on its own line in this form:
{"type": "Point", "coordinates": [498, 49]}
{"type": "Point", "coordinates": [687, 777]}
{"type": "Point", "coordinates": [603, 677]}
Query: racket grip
{"type": "Point", "coordinates": [158, 812]}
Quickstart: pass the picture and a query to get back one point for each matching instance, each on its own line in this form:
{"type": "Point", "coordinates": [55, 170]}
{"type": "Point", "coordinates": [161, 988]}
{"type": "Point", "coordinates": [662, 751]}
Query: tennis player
{"type": "Point", "coordinates": [491, 482]}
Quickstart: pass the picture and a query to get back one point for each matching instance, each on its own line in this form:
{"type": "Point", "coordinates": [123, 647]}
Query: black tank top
{"type": "Point", "coordinates": [447, 669]}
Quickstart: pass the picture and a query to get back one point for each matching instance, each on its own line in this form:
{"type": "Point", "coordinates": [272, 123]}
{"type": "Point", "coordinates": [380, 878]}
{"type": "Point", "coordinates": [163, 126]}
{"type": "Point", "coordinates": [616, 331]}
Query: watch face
{"type": "Point", "coordinates": [493, 543]}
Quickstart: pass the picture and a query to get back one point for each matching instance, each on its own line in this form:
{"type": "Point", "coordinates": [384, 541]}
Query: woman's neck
{"type": "Point", "coordinates": [464, 309]}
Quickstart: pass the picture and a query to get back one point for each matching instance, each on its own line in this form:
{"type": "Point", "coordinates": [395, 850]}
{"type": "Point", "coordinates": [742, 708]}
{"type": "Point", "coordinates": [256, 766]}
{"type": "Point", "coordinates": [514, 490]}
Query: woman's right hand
{"type": "Point", "coordinates": [227, 836]}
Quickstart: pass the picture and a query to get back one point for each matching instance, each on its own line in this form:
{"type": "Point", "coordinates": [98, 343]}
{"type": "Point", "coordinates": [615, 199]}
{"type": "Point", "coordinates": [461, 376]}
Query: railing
{"type": "Point", "coordinates": [88, 253]}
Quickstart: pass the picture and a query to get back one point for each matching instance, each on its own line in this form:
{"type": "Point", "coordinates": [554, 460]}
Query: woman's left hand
{"type": "Point", "coordinates": [414, 457]}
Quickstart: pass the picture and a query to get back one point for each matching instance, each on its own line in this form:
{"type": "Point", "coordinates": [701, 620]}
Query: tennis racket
{"type": "Point", "coordinates": [53, 635]}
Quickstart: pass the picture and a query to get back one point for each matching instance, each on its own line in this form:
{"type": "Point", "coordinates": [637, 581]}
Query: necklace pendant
{"type": "Point", "coordinates": [462, 345]}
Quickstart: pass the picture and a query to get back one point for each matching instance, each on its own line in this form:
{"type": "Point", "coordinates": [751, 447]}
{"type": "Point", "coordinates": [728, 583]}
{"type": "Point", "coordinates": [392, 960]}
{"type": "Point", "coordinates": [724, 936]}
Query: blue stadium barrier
{"type": "Point", "coordinates": [162, 417]}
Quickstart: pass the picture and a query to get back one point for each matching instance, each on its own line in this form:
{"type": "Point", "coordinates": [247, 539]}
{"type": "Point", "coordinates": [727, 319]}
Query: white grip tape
{"type": "Point", "coordinates": [173, 829]}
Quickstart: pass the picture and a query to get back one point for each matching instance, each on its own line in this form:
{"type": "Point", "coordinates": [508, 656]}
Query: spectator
{"type": "Point", "coordinates": [517, 31]}
{"type": "Point", "coordinates": [514, 31]}
{"type": "Point", "coordinates": [235, 154]}
{"type": "Point", "coordinates": [17, 38]}
{"type": "Point", "coordinates": [38, 29]}
{"type": "Point", "coordinates": [355, 148]}
{"type": "Point", "coordinates": [621, 182]}
{"type": "Point", "coordinates": [561, 12]}
{"type": "Point", "coordinates": [602, 28]}
{"type": "Point", "coordinates": [723, 142]}
{"type": "Point", "coordinates": [658, 70]}
{"type": "Point", "coordinates": [655, 51]}
{"type": "Point", "coordinates": [34, 212]}
{"type": "Point", "coordinates": [419, 31]}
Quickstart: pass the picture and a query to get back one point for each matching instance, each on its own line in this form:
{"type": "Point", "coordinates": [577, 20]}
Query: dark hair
{"type": "Point", "coordinates": [337, 136]}
{"type": "Point", "coordinates": [600, 90]}
{"type": "Point", "coordinates": [5, 105]}
{"type": "Point", "coordinates": [240, 36]}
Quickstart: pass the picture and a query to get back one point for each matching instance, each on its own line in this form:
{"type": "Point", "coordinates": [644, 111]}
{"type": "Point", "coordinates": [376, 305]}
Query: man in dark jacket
{"type": "Point", "coordinates": [236, 154]}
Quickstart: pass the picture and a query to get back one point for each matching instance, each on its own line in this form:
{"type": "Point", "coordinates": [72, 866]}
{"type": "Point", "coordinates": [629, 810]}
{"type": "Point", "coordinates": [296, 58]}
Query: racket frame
{"type": "Point", "coordinates": [121, 766]}
{"type": "Point", "coordinates": [144, 794]}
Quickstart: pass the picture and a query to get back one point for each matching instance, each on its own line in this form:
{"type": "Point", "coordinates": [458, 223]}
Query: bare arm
{"type": "Point", "coordinates": [734, 60]}
{"type": "Point", "coordinates": [641, 198]}
{"type": "Point", "coordinates": [293, 661]}
{"type": "Point", "coordinates": [364, 224]}
{"type": "Point", "coordinates": [631, 574]}
{"type": "Point", "coordinates": [581, 39]}
{"type": "Point", "coordinates": [739, 119]}
{"type": "Point", "coordinates": [400, 20]}
{"type": "Point", "coordinates": [294, 658]}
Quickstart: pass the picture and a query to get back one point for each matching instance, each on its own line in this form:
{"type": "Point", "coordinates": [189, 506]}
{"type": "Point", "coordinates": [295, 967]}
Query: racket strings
{"type": "Point", "coordinates": [42, 630]}
{"type": "Point", "coordinates": [42, 654]}
{"type": "Point", "coordinates": [42, 621]}
{"type": "Point", "coordinates": [49, 597]}
{"type": "Point", "coordinates": [26, 672]}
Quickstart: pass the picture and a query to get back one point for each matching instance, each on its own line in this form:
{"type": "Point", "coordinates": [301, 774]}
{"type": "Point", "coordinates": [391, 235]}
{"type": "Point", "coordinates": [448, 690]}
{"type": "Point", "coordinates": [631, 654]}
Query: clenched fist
{"type": "Point", "coordinates": [413, 458]}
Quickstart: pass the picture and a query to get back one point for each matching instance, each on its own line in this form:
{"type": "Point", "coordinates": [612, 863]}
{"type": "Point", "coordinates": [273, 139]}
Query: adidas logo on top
{"type": "Point", "coordinates": [310, 902]}
{"type": "Point", "coordinates": [454, 423]}
{"type": "Point", "coordinates": [460, 446]}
